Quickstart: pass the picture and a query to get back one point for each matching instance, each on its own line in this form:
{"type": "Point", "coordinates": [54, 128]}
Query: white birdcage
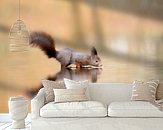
{"type": "Point", "coordinates": [19, 36]}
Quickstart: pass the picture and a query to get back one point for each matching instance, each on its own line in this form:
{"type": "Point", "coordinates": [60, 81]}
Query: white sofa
{"type": "Point", "coordinates": [121, 113]}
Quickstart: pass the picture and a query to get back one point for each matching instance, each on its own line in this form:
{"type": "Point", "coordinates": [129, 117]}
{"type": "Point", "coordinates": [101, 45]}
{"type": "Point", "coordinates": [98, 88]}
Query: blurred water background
{"type": "Point", "coordinates": [127, 34]}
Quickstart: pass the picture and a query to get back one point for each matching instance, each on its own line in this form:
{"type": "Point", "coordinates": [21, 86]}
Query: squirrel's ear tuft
{"type": "Point", "coordinates": [93, 51]}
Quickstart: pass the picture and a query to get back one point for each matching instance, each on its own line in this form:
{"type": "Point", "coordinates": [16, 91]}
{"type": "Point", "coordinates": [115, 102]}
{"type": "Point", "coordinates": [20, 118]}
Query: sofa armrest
{"type": "Point", "coordinates": [36, 103]}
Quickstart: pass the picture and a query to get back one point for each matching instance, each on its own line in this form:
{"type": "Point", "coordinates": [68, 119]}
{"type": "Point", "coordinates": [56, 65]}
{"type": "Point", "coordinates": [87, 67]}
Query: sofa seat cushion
{"type": "Point", "coordinates": [133, 109]}
{"type": "Point", "coordinates": [74, 109]}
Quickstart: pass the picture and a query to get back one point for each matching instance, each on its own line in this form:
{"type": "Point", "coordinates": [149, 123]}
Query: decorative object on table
{"type": "Point", "coordinates": [18, 110]}
{"type": "Point", "coordinates": [19, 36]}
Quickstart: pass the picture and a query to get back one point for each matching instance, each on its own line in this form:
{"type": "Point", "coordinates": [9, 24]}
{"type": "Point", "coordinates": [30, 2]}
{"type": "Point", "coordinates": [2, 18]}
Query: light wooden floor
{"type": "Point", "coordinates": [8, 126]}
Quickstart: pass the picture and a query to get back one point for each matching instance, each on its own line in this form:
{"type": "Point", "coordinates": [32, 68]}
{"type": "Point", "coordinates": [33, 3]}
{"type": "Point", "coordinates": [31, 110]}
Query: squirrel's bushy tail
{"type": "Point", "coordinates": [45, 42]}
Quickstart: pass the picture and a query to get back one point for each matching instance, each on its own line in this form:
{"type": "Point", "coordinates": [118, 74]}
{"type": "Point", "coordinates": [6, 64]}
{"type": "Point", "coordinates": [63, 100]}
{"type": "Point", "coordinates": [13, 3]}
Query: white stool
{"type": "Point", "coordinates": [18, 109]}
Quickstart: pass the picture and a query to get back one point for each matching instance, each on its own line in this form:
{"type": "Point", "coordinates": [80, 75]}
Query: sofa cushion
{"type": "Point", "coordinates": [159, 93]}
{"type": "Point", "coordinates": [144, 91]}
{"type": "Point", "coordinates": [133, 109]}
{"type": "Point", "coordinates": [70, 95]}
{"type": "Point", "coordinates": [49, 86]}
{"type": "Point", "coordinates": [74, 109]}
{"type": "Point", "coordinates": [71, 84]}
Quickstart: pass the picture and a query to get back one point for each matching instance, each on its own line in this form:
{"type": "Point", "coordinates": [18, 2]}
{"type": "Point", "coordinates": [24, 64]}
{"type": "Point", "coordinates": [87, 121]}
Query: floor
{"type": "Point", "coordinates": [8, 126]}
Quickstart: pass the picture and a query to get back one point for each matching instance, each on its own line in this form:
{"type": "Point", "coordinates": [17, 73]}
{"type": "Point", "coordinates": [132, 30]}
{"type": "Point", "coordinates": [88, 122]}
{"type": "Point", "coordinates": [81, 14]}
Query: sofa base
{"type": "Point", "coordinates": [97, 123]}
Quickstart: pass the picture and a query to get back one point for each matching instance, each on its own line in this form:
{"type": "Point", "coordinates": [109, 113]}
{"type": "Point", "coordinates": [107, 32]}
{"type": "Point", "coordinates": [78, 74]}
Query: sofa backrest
{"type": "Point", "coordinates": [109, 92]}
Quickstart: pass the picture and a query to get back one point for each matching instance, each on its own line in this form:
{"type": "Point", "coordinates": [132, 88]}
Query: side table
{"type": "Point", "coordinates": [18, 110]}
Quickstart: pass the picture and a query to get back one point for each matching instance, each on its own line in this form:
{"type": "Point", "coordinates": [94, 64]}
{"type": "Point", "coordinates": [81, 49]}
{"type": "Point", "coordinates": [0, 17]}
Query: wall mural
{"type": "Point", "coordinates": [66, 56]}
{"type": "Point", "coordinates": [108, 41]}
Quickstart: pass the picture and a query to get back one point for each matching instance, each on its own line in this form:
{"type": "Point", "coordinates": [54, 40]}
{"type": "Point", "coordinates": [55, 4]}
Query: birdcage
{"type": "Point", "coordinates": [19, 36]}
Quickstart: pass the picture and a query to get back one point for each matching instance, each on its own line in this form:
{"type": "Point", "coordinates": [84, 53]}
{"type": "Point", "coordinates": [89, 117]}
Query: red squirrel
{"type": "Point", "coordinates": [65, 56]}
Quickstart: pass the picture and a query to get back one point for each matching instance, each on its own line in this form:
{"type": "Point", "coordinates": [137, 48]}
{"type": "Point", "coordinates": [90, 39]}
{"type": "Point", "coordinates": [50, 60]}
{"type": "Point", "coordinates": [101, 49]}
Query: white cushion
{"type": "Point", "coordinates": [71, 84]}
{"type": "Point", "coordinates": [74, 109]}
{"type": "Point", "coordinates": [70, 95]}
{"type": "Point", "coordinates": [144, 91]}
{"type": "Point", "coordinates": [133, 109]}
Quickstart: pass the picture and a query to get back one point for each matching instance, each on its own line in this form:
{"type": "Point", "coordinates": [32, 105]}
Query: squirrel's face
{"type": "Point", "coordinates": [95, 59]}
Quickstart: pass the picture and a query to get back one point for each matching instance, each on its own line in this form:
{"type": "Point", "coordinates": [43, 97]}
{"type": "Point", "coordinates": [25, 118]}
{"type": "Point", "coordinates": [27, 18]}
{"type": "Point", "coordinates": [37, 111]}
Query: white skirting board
{"type": "Point", "coordinates": [5, 117]}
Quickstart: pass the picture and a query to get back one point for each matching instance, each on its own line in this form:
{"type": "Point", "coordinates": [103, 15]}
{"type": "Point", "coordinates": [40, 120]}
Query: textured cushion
{"type": "Point", "coordinates": [159, 93]}
{"type": "Point", "coordinates": [74, 109]}
{"type": "Point", "coordinates": [49, 86]}
{"type": "Point", "coordinates": [71, 84]}
{"type": "Point", "coordinates": [70, 95]}
{"type": "Point", "coordinates": [133, 109]}
{"type": "Point", "coordinates": [145, 91]}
